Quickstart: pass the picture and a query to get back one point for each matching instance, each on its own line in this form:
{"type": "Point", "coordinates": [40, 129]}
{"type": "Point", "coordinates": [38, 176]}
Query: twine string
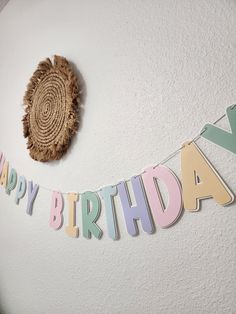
{"type": "Point", "coordinates": [163, 161]}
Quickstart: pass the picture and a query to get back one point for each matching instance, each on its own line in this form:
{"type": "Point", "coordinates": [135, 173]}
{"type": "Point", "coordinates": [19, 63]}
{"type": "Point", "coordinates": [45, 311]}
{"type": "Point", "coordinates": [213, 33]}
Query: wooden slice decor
{"type": "Point", "coordinates": [52, 109]}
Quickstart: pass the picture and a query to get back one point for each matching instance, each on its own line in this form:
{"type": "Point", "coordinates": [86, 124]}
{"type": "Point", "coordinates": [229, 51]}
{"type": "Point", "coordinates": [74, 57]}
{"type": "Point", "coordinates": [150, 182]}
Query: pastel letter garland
{"type": "Point", "coordinates": [12, 180]}
{"type": "Point", "coordinates": [91, 209]}
{"type": "Point", "coordinates": [57, 204]}
{"type": "Point", "coordinates": [108, 193]}
{"type": "Point", "coordinates": [4, 175]}
{"type": "Point", "coordinates": [32, 193]}
{"type": "Point", "coordinates": [2, 161]}
{"type": "Point", "coordinates": [163, 217]}
{"type": "Point", "coordinates": [21, 189]}
{"type": "Point", "coordinates": [140, 211]}
{"type": "Point", "coordinates": [71, 229]}
{"type": "Point", "coordinates": [221, 137]}
{"type": "Point", "coordinates": [194, 165]}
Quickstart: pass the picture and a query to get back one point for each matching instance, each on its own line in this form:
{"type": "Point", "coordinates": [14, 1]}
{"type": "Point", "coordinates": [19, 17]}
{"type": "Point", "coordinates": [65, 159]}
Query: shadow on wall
{"type": "Point", "coordinates": [1, 309]}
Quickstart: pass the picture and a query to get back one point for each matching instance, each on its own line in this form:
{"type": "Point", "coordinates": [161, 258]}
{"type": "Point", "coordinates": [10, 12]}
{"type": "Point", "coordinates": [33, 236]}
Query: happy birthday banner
{"type": "Point", "coordinates": [199, 181]}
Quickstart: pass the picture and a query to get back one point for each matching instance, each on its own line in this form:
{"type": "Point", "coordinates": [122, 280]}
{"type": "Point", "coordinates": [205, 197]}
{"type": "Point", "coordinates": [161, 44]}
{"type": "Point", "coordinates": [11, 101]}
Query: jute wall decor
{"type": "Point", "coordinates": [52, 109]}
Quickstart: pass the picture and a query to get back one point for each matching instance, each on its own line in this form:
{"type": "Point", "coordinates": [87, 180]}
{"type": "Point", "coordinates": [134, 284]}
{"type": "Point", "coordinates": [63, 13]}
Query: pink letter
{"type": "Point", "coordinates": [163, 217]}
{"type": "Point", "coordinates": [2, 161]}
{"type": "Point", "coordinates": [56, 218]}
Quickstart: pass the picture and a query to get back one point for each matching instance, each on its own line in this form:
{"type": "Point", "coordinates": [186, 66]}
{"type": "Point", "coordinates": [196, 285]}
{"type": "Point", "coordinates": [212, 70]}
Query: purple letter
{"type": "Point", "coordinates": [140, 211]}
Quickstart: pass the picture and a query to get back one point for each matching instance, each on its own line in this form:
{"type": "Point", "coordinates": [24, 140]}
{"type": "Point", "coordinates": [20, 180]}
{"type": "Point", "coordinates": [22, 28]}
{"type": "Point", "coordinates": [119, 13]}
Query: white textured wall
{"type": "Point", "coordinates": [155, 72]}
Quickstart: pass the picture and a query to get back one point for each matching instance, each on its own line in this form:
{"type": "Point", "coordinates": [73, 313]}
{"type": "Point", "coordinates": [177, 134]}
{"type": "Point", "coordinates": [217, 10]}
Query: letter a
{"type": "Point", "coordinates": [200, 180]}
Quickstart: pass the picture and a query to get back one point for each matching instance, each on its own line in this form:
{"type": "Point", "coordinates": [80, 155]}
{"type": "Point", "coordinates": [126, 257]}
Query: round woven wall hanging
{"type": "Point", "coordinates": [52, 109]}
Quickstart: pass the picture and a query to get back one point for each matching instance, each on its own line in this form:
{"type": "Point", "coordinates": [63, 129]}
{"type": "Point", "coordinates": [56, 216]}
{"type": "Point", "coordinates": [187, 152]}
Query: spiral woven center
{"type": "Point", "coordinates": [48, 110]}
{"type": "Point", "coordinates": [51, 109]}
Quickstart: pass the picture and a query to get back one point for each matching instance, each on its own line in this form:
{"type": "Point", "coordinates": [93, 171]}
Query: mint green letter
{"type": "Point", "coordinates": [91, 209]}
{"type": "Point", "coordinates": [221, 137]}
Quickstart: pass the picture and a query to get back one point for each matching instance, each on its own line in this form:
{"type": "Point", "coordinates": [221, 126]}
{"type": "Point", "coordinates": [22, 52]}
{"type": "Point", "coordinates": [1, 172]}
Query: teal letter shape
{"type": "Point", "coordinates": [108, 193]}
{"type": "Point", "coordinates": [221, 137]}
{"type": "Point", "coordinates": [91, 209]}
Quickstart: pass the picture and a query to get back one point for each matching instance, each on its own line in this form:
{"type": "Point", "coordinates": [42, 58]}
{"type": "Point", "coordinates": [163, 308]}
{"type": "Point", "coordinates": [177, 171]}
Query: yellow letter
{"type": "Point", "coordinates": [200, 180]}
{"type": "Point", "coordinates": [4, 176]}
{"type": "Point", "coordinates": [71, 229]}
